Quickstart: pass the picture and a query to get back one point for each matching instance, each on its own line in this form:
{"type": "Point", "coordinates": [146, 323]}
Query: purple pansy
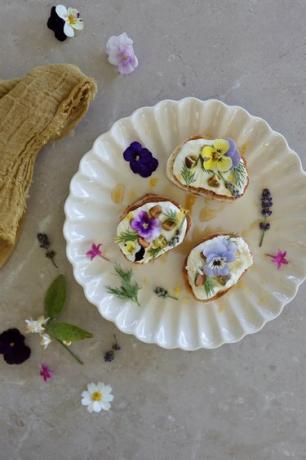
{"type": "Point", "coordinates": [121, 53]}
{"type": "Point", "coordinates": [141, 159]}
{"type": "Point", "coordinates": [145, 226]}
{"type": "Point", "coordinates": [233, 153]}
{"type": "Point", "coordinates": [13, 348]}
{"type": "Point", "coordinates": [219, 252]}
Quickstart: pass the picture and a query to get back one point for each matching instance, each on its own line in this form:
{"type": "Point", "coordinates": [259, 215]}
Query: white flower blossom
{"type": "Point", "coordinates": [36, 326]}
{"type": "Point", "coordinates": [97, 397]}
{"type": "Point", "coordinates": [45, 340]}
{"type": "Point", "coordinates": [72, 19]}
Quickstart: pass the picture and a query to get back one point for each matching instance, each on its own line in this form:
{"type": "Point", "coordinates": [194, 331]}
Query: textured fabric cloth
{"type": "Point", "coordinates": [43, 105]}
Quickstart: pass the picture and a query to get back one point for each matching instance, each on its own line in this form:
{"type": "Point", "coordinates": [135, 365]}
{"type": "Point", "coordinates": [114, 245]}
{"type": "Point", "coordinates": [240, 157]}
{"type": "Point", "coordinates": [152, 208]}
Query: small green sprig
{"type": "Point", "coordinates": [128, 289]}
{"type": "Point", "coordinates": [153, 252]}
{"type": "Point", "coordinates": [240, 175]}
{"type": "Point", "coordinates": [187, 175]}
{"type": "Point", "coordinates": [209, 286]}
{"type": "Point", "coordinates": [171, 215]}
{"type": "Point", "coordinates": [126, 236]}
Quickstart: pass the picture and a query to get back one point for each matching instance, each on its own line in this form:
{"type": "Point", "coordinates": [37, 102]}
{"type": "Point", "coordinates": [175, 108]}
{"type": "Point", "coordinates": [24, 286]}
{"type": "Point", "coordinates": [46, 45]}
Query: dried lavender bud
{"type": "Point", "coordinates": [116, 345]}
{"type": "Point", "coordinates": [43, 240]}
{"type": "Point", "coordinates": [234, 190]}
{"type": "Point", "coordinates": [50, 255]}
{"type": "Point", "coordinates": [264, 226]}
{"type": "Point", "coordinates": [160, 292]}
{"type": "Point", "coordinates": [109, 356]}
{"type": "Point", "coordinates": [266, 212]}
{"type": "Point", "coordinates": [266, 192]}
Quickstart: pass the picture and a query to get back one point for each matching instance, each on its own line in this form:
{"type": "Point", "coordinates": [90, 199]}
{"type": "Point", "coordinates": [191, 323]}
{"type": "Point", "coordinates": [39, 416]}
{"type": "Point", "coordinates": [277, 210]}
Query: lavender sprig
{"type": "Point", "coordinates": [44, 243]}
{"type": "Point", "coordinates": [161, 292]}
{"type": "Point", "coordinates": [266, 205]}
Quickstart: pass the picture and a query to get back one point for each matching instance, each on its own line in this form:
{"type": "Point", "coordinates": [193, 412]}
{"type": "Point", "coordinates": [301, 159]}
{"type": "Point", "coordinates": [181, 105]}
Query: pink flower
{"type": "Point", "coordinates": [95, 251]}
{"type": "Point", "coordinates": [45, 372]}
{"type": "Point", "coordinates": [121, 53]}
{"type": "Point", "coordinates": [279, 258]}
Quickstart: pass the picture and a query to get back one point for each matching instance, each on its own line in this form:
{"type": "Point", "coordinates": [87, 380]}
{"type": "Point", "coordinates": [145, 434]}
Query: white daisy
{"type": "Point", "coordinates": [45, 340]}
{"type": "Point", "coordinates": [72, 19]}
{"type": "Point", "coordinates": [97, 397]}
{"type": "Point", "coordinates": [36, 326]}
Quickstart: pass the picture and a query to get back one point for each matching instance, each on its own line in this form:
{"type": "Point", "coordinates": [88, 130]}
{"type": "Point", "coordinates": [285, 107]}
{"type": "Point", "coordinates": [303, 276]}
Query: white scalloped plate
{"type": "Point", "coordinates": [92, 212]}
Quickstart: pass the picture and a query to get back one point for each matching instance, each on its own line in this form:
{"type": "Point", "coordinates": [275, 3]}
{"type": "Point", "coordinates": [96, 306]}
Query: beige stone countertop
{"type": "Point", "coordinates": [241, 402]}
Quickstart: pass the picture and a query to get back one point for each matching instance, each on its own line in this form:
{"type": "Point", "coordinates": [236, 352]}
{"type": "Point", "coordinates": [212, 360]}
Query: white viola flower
{"type": "Point", "coordinates": [97, 397]}
{"type": "Point", "coordinates": [45, 340]}
{"type": "Point", "coordinates": [36, 326]}
{"type": "Point", "coordinates": [72, 19]}
{"type": "Point", "coordinates": [121, 53]}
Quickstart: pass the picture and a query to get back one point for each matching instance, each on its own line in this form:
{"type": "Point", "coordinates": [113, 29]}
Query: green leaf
{"type": "Point", "coordinates": [209, 286]}
{"type": "Point", "coordinates": [65, 332]}
{"type": "Point", "coordinates": [55, 297]}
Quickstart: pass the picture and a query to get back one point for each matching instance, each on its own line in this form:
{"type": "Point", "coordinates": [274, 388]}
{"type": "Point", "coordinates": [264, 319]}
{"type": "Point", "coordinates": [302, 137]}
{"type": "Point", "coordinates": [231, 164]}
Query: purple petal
{"type": "Point", "coordinates": [132, 150]}
{"type": "Point", "coordinates": [233, 153]}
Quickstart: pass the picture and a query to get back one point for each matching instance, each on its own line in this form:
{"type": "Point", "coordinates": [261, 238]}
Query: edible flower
{"type": "Point", "coordinates": [13, 347]}
{"type": "Point", "coordinates": [95, 251]}
{"type": "Point", "coordinates": [45, 372]}
{"type": "Point", "coordinates": [146, 227]}
{"type": "Point", "coordinates": [233, 153]}
{"type": "Point", "coordinates": [121, 53]}
{"type": "Point", "coordinates": [45, 340]}
{"type": "Point", "coordinates": [279, 259]}
{"type": "Point", "coordinates": [63, 21]}
{"type": "Point", "coordinates": [97, 397]}
{"type": "Point", "coordinates": [215, 158]}
{"type": "Point", "coordinates": [72, 19]}
{"type": "Point", "coordinates": [141, 159]}
{"type": "Point", "coordinates": [36, 326]}
{"type": "Point", "coordinates": [218, 253]}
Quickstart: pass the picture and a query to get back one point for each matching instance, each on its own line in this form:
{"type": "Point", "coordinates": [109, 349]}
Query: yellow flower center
{"type": "Point", "coordinates": [96, 396]}
{"type": "Point", "coordinates": [145, 225]}
{"type": "Point", "coordinates": [71, 20]}
{"type": "Point", "coordinates": [217, 155]}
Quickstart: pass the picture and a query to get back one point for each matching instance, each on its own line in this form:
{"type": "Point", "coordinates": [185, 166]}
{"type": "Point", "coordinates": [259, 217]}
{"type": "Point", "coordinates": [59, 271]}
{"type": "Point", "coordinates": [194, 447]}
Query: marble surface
{"type": "Point", "coordinates": [245, 401]}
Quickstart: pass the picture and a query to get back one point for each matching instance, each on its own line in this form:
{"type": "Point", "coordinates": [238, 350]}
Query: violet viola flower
{"type": "Point", "coordinates": [141, 159]}
{"type": "Point", "coordinates": [233, 153]}
{"type": "Point", "coordinates": [218, 254]}
{"type": "Point", "coordinates": [13, 348]}
{"type": "Point", "coordinates": [121, 53]}
{"type": "Point", "coordinates": [146, 227]}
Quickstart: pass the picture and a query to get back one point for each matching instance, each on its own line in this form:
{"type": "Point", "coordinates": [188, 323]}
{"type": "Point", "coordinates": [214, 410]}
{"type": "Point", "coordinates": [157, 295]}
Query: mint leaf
{"type": "Point", "coordinates": [55, 297]}
{"type": "Point", "coordinates": [65, 332]}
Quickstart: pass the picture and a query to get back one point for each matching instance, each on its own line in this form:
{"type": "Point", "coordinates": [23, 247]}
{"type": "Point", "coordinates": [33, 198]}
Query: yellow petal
{"type": "Point", "coordinates": [222, 145]}
{"type": "Point", "coordinates": [211, 165]}
{"type": "Point", "coordinates": [207, 151]}
{"type": "Point", "coordinates": [225, 164]}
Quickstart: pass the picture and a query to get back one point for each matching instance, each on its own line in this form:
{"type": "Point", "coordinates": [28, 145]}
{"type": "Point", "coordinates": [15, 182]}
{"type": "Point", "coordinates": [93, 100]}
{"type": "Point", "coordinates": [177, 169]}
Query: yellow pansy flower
{"type": "Point", "coordinates": [130, 247]}
{"type": "Point", "coordinates": [214, 156]}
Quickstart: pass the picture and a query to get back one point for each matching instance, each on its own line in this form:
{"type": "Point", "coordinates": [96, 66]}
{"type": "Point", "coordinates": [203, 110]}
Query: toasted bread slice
{"type": "Point", "coordinates": [185, 168]}
{"type": "Point", "coordinates": [206, 280]}
{"type": "Point", "coordinates": [150, 227]}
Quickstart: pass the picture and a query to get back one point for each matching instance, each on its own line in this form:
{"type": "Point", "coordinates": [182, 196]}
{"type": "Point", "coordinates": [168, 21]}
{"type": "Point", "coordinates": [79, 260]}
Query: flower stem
{"type": "Point", "coordinates": [71, 352]}
{"type": "Point", "coordinates": [172, 297]}
{"type": "Point", "coordinates": [262, 234]}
